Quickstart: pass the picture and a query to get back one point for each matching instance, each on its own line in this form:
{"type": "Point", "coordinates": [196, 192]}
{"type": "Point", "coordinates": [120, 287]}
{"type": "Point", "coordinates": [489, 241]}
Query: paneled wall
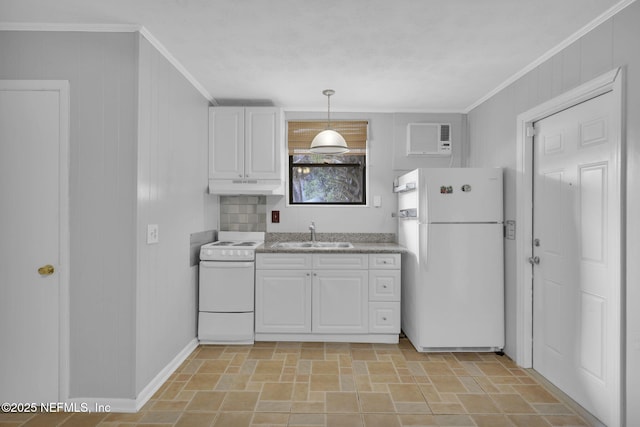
{"type": "Point", "coordinates": [138, 156]}
{"type": "Point", "coordinates": [172, 193]}
{"type": "Point", "coordinates": [492, 137]}
{"type": "Point", "coordinates": [101, 69]}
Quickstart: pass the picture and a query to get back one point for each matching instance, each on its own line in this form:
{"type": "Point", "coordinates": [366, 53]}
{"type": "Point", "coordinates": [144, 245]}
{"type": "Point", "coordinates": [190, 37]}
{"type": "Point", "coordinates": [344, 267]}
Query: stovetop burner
{"type": "Point", "coordinates": [234, 246]}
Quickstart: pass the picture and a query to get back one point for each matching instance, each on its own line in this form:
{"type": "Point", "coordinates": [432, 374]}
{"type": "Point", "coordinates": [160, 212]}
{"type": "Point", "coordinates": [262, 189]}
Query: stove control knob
{"type": "Point", "coordinates": [247, 253]}
{"type": "Point", "coordinates": [225, 252]}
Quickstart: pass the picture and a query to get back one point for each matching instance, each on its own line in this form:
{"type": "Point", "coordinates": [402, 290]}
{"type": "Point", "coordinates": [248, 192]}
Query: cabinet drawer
{"type": "Point", "coordinates": [384, 285]}
{"type": "Point", "coordinates": [390, 261]}
{"type": "Point", "coordinates": [341, 261]}
{"type": "Point", "coordinates": [283, 261]}
{"type": "Point", "coordinates": [384, 317]}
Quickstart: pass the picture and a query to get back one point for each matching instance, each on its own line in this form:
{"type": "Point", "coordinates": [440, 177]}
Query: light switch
{"type": "Point", "coordinates": [152, 234]}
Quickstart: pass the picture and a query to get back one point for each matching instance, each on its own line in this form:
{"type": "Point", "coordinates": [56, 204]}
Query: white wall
{"type": "Point", "coordinates": [172, 192]}
{"type": "Point", "coordinates": [386, 160]}
{"type": "Point", "coordinates": [101, 69]}
{"type": "Point", "coordinates": [492, 136]}
{"type": "Point", "coordinates": [132, 305]}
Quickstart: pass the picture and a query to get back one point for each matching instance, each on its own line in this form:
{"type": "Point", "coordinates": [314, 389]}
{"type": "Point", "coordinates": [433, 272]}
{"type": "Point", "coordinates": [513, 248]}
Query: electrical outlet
{"type": "Point", "coordinates": [152, 234]}
{"type": "Point", "coordinates": [275, 216]}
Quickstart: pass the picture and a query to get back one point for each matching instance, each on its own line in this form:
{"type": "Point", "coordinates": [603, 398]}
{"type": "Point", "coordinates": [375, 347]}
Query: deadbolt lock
{"type": "Point", "coordinates": [46, 270]}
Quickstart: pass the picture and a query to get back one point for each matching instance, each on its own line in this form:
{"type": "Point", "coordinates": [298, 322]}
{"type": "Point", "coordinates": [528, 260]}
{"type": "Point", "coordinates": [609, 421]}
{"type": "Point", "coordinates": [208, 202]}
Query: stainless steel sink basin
{"type": "Point", "coordinates": [312, 245]}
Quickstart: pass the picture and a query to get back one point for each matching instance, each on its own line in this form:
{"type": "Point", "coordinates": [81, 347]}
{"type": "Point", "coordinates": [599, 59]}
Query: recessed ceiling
{"type": "Point", "coordinates": [378, 55]}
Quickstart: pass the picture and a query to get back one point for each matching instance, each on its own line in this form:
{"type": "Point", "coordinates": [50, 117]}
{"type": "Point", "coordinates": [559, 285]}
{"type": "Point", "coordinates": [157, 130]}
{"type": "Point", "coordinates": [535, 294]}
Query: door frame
{"type": "Point", "coordinates": [63, 269]}
{"type": "Point", "coordinates": [612, 81]}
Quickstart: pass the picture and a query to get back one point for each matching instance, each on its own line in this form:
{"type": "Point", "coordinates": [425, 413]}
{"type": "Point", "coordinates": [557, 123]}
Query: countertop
{"type": "Point", "coordinates": [358, 247]}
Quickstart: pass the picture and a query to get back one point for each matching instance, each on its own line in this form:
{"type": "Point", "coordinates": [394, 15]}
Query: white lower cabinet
{"type": "Point", "coordinates": [283, 301]}
{"type": "Point", "coordinates": [327, 297]}
{"type": "Point", "coordinates": [384, 293]}
{"type": "Point", "coordinates": [340, 302]}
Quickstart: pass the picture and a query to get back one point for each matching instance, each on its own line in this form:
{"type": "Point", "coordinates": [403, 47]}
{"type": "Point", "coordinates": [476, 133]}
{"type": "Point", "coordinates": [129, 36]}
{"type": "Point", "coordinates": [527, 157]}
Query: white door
{"type": "Point", "coordinates": [33, 173]}
{"type": "Point", "coordinates": [462, 277]}
{"type": "Point", "coordinates": [340, 302]}
{"type": "Point", "coordinates": [262, 143]}
{"type": "Point", "coordinates": [576, 232]}
{"type": "Point", "coordinates": [283, 301]}
{"type": "Point", "coordinates": [226, 142]}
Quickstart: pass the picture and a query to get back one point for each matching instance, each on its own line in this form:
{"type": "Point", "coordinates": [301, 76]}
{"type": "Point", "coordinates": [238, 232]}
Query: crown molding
{"type": "Point", "coordinates": [550, 53]}
{"type": "Point", "coordinates": [88, 28]}
{"type": "Point", "coordinates": [169, 57]}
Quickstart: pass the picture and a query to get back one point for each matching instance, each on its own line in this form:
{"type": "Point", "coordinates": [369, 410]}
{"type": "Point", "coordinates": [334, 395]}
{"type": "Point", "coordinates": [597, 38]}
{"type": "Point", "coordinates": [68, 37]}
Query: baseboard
{"type": "Point", "coordinates": [80, 404]}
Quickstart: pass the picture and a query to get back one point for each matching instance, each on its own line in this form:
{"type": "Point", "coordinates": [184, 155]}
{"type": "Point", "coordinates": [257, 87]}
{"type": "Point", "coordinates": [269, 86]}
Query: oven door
{"type": "Point", "coordinates": [226, 286]}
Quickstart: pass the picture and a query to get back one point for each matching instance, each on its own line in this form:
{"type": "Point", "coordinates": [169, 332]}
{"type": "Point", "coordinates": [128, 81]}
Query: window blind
{"type": "Point", "coordinates": [301, 133]}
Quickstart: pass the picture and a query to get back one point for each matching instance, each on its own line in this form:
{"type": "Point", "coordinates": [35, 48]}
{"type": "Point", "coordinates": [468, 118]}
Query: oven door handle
{"type": "Point", "coordinates": [227, 264]}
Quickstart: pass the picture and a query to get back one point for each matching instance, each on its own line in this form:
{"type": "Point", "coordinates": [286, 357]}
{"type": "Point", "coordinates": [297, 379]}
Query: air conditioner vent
{"type": "Point", "coordinates": [429, 139]}
{"type": "Point", "coordinates": [444, 133]}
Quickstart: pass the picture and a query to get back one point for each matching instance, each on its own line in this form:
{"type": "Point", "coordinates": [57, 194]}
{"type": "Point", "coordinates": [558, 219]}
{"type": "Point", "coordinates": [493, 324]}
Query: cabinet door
{"type": "Point", "coordinates": [283, 301]}
{"type": "Point", "coordinates": [340, 301]}
{"type": "Point", "coordinates": [226, 143]}
{"type": "Point", "coordinates": [262, 143]}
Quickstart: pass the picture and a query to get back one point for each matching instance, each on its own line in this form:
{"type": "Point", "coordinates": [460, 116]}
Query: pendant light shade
{"type": "Point", "coordinates": [329, 141]}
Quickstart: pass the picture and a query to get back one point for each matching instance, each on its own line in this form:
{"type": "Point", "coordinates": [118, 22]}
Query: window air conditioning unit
{"type": "Point", "coordinates": [428, 139]}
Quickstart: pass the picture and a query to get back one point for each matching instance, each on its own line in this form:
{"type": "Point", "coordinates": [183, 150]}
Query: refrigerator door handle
{"type": "Point", "coordinates": [423, 243]}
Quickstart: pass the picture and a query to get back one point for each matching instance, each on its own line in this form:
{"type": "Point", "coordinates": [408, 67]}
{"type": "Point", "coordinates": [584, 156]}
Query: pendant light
{"type": "Point", "coordinates": [328, 141]}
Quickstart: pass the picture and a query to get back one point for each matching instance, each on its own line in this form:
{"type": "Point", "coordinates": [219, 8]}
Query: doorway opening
{"type": "Point", "coordinates": [609, 83]}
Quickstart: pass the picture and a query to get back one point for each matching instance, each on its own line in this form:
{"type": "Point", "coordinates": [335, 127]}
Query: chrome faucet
{"type": "Point", "coordinates": [312, 228]}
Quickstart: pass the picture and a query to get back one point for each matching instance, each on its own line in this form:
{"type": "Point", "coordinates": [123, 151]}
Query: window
{"type": "Point", "coordinates": [327, 179]}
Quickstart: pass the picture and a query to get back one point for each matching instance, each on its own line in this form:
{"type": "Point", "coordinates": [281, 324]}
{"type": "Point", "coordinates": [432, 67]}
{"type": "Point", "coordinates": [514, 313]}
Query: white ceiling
{"type": "Point", "coordinates": [378, 55]}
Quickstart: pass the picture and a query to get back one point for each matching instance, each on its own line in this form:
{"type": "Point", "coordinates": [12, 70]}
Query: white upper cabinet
{"type": "Point", "coordinates": [226, 143]}
{"type": "Point", "coordinates": [245, 150]}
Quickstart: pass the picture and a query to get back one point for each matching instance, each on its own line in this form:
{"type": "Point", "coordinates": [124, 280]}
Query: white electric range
{"type": "Point", "coordinates": [226, 288]}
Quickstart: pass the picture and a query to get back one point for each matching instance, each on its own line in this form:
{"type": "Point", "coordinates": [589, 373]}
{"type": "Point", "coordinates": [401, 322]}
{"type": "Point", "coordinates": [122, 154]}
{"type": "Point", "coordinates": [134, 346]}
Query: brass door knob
{"type": "Point", "coordinates": [46, 270]}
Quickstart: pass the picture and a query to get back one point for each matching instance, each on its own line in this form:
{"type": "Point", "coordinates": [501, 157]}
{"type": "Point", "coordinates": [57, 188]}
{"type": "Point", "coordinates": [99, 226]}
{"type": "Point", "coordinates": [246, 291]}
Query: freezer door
{"type": "Point", "coordinates": [462, 279]}
{"type": "Point", "coordinates": [461, 195]}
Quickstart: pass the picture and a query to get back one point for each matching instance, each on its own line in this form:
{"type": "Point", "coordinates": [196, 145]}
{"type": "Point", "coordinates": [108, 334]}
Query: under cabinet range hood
{"type": "Point", "coordinates": [265, 187]}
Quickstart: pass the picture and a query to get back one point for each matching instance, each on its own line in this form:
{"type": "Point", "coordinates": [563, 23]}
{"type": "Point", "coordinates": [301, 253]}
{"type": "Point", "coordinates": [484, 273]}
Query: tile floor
{"type": "Point", "coordinates": [334, 384]}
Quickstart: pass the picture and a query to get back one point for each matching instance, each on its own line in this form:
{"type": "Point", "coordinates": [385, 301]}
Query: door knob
{"type": "Point", "coordinates": [46, 270]}
{"type": "Point", "coordinates": [535, 260]}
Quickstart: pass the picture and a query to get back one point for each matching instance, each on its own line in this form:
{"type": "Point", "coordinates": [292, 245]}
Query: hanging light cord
{"type": "Point", "coordinates": [328, 93]}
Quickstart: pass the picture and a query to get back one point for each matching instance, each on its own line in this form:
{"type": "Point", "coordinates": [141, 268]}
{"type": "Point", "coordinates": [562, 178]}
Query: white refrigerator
{"type": "Point", "coordinates": [451, 222]}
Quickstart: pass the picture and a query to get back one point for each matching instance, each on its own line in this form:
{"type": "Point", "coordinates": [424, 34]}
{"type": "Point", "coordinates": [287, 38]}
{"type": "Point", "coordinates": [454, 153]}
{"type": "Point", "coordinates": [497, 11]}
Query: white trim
{"type": "Point", "coordinates": [553, 51]}
{"type": "Point", "coordinates": [63, 267]}
{"type": "Point", "coordinates": [608, 82]}
{"type": "Point", "coordinates": [169, 57]}
{"type": "Point", "coordinates": [134, 405]}
{"type": "Point", "coordinates": [49, 26]}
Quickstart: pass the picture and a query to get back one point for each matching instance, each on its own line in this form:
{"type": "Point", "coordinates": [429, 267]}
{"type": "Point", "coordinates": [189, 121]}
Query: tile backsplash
{"type": "Point", "coordinates": [243, 213]}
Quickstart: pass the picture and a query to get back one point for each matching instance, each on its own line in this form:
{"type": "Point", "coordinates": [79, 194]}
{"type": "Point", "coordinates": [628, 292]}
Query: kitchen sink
{"type": "Point", "coordinates": [312, 245]}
